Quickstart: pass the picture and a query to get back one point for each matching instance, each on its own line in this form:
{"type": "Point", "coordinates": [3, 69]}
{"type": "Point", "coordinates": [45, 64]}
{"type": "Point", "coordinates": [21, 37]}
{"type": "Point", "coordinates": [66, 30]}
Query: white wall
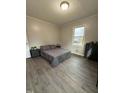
{"type": "Point", "coordinates": [40, 32]}
{"type": "Point", "coordinates": [91, 33]}
{"type": "Point", "coordinates": [28, 55]}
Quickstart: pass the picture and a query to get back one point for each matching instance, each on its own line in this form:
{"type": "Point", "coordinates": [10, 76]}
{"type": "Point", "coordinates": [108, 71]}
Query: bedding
{"type": "Point", "coordinates": [55, 55]}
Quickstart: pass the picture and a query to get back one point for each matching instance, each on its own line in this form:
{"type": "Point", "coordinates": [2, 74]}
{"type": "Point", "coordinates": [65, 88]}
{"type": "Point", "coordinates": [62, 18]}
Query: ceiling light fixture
{"type": "Point", "coordinates": [64, 5]}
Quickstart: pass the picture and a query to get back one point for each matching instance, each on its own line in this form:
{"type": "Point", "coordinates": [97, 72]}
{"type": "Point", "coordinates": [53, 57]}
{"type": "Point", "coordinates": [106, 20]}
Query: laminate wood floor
{"type": "Point", "coordinates": [75, 75]}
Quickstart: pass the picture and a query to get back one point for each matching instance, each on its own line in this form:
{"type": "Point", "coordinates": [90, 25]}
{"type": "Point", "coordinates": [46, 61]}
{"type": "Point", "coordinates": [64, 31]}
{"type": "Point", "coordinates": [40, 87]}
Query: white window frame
{"type": "Point", "coordinates": [74, 32]}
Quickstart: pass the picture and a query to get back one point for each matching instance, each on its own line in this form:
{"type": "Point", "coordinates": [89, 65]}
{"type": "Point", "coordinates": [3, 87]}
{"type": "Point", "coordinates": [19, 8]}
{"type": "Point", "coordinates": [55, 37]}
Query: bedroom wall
{"type": "Point", "coordinates": [40, 32]}
{"type": "Point", "coordinates": [91, 33]}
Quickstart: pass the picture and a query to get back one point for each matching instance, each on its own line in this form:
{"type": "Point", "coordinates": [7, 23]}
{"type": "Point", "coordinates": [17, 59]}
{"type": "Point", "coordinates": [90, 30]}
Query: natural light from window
{"type": "Point", "coordinates": [78, 36]}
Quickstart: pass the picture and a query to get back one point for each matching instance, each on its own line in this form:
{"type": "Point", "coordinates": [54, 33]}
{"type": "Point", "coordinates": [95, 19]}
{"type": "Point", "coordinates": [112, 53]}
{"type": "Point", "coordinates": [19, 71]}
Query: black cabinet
{"type": "Point", "coordinates": [58, 46]}
{"type": "Point", "coordinates": [35, 53]}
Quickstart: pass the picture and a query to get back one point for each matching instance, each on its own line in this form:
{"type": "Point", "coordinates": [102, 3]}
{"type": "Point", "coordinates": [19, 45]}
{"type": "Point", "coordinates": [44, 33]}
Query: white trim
{"type": "Point", "coordinates": [73, 29]}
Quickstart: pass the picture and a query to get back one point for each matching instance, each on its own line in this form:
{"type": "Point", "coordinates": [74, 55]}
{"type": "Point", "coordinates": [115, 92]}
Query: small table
{"type": "Point", "coordinates": [35, 53]}
{"type": "Point", "coordinates": [58, 46]}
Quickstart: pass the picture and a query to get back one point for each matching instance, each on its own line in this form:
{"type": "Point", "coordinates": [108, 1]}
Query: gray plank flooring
{"type": "Point", "coordinates": [75, 75]}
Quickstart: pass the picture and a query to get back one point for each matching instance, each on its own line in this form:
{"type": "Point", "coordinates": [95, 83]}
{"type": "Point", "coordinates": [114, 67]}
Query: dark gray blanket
{"type": "Point", "coordinates": [56, 56]}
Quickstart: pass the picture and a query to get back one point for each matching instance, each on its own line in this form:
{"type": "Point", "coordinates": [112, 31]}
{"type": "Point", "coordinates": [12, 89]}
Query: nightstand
{"type": "Point", "coordinates": [58, 46]}
{"type": "Point", "coordinates": [35, 53]}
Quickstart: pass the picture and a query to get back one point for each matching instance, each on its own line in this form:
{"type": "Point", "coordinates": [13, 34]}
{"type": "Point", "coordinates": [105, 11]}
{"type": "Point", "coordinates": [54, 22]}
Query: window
{"type": "Point", "coordinates": [78, 36]}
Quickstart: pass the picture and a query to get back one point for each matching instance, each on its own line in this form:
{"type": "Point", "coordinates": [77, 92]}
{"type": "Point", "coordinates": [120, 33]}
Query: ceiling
{"type": "Point", "coordinates": [49, 10]}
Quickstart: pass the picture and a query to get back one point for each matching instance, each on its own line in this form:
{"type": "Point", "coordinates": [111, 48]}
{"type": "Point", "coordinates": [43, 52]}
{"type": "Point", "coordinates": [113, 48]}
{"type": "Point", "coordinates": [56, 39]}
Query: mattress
{"type": "Point", "coordinates": [56, 56]}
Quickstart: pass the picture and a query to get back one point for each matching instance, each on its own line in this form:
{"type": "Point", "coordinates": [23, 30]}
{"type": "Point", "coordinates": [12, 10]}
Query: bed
{"type": "Point", "coordinates": [54, 55]}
